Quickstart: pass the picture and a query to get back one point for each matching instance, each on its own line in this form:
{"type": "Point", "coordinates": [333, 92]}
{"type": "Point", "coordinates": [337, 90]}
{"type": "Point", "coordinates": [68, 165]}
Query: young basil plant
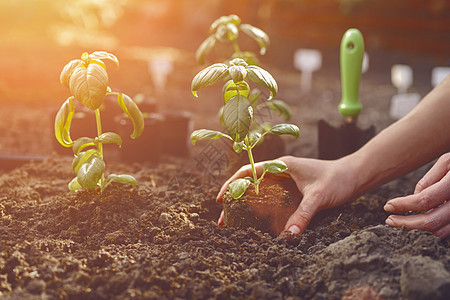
{"type": "Point", "coordinates": [226, 29]}
{"type": "Point", "coordinates": [238, 115]}
{"type": "Point", "coordinates": [88, 81]}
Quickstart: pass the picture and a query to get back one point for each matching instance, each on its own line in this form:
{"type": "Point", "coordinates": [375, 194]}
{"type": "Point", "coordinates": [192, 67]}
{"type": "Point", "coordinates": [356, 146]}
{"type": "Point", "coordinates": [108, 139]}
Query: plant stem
{"type": "Point", "coordinates": [99, 131]}
{"type": "Point", "coordinates": [236, 47]}
{"type": "Point", "coordinates": [100, 146]}
{"type": "Point", "coordinates": [252, 163]}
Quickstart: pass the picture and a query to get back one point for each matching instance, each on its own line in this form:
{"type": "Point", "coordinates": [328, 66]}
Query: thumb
{"type": "Point", "coordinates": [300, 219]}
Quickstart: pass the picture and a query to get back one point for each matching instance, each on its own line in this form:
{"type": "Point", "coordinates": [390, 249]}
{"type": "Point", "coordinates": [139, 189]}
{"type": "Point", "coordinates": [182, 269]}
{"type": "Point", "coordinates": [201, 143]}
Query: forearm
{"type": "Point", "coordinates": [414, 140]}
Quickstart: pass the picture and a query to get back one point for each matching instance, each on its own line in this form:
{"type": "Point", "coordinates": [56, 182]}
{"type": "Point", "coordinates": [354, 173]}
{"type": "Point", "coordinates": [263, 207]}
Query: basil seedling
{"type": "Point", "coordinates": [238, 115]}
{"type": "Point", "coordinates": [88, 81]}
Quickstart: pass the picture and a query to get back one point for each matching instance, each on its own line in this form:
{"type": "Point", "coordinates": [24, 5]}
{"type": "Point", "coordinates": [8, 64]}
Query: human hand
{"type": "Point", "coordinates": [323, 184]}
{"type": "Point", "coordinates": [431, 196]}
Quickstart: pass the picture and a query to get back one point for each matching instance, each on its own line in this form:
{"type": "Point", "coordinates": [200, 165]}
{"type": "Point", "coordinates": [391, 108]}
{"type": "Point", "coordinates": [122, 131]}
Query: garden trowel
{"type": "Point", "coordinates": [337, 142]}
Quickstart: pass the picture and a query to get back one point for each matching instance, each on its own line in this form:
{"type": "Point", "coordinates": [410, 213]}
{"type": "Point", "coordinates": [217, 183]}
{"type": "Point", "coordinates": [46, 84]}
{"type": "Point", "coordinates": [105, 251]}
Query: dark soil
{"type": "Point", "coordinates": [161, 241]}
{"type": "Point", "coordinates": [268, 210]}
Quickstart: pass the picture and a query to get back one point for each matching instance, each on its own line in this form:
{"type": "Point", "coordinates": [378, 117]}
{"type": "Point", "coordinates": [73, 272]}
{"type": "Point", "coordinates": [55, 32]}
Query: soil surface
{"type": "Point", "coordinates": [161, 241]}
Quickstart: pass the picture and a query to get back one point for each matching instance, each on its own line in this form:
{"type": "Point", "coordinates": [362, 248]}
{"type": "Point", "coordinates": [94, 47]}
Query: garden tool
{"type": "Point", "coordinates": [337, 142]}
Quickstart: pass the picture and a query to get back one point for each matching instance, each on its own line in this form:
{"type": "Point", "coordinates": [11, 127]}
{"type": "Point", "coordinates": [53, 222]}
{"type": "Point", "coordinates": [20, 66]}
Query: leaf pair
{"type": "Point", "coordinates": [238, 186]}
{"type": "Point", "coordinates": [239, 71]}
{"type": "Point", "coordinates": [65, 114]}
{"type": "Point", "coordinates": [279, 129]}
{"type": "Point", "coordinates": [105, 138]}
{"type": "Point", "coordinates": [90, 167]}
{"type": "Point", "coordinates": [87, 78]}
{"type": "Point", "coordinates": [226, 29]}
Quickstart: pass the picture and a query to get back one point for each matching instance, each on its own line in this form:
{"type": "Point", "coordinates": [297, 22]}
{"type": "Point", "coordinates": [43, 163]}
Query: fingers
{"type": "Point", "coordinates": [443, 232]}
{"type": "Point", "coordinates": [300, 219]}
{"type": "Point", "coordinates": [436, 221]}
{"type": "Point", "coordinates": [439, 169]}
{"type": "Point", "coordinates": [220, 221]}
{"type": "Point", "coordinates": [425, 200]}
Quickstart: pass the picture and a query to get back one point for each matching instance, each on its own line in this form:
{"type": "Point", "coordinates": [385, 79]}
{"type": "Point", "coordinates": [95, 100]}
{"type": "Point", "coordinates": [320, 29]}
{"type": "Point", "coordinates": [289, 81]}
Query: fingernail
{"type": "Point", "coordinates": [294, 229]}
{"type": "Point", "coordinates": [389, 207]}
{"type": "Point", "coordinates": [389, 222]}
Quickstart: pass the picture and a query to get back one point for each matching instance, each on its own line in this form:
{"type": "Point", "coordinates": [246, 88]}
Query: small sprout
{"type": "Point", "coordinates": [88, 81]}
{"type": "Point", "coordinates": [226, 30]}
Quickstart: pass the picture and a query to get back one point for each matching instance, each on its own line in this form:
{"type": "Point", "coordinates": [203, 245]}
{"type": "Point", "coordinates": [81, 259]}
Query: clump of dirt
{"type": "Point", "coordinates": [161, 240]}
{"type": "Point", "coordinates": [268, 210]}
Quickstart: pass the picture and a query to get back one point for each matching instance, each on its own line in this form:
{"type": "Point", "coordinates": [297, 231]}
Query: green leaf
{"type": "Point", "coordinates": [274, 166]}
{"type": "Point", "coordinates": [209, 76]}
{"type": "Point", "coordinates": [204, 49]}
{"type": "Point", "coordinates": [238, 187]}
{"type": "Point", "coordinates": [101, 55]}
{"type": "Point", "coordinates": [74, 185]}
{"type": "Point", "coordinates": [90, 173]}
{"type": "Point", "coordinates": [205, 134]}
{"type": "Point", "coordinates": [237, 73]}
{"type": "Point", "coordinates": [258, 35]}
{"type": "Point", "coordinates": [110, 138]}
{"type": "Point", "coordinates": [68, 70]}
{"type": "Point", "coordinates": [231, 89]}
{"type": "Point", "coordinates": [233, 19]}
{"type": "Point", "coordinates": [264, 79]}
{"type": "Point", "coordinates": [126, 179]}
{"type": "Point", "coordinates": [237, 117]}
{"type": "Point", "coordinates": [227, 32]}
{"type": "Point", "coordinates": [98, 62]}
{"type": "Point", "coordinates": [248, 57]}
{"type": "Point", "coordinates": [238, 147]}
{"type": "Point", "coordinates": [88, 85]}
{"type": "Point", "coordinates": [82, 157]}
{"type": "Point", "coordinates": [286, 129]}
{"type": "Point", "coordinates": [132, 111]}
{"type": "Point", "coordinates": [254, 137]}
{"type": "Point", "coordinates": [62, 123]}
{"type": "Point", "coordinates": [220, 116]}
{"type": "Point", "coordinates": [254, 96]}
{"type": "Point", "coordinates": [82, 143]}
{"type": "Point", "coordinates": [281, 108]}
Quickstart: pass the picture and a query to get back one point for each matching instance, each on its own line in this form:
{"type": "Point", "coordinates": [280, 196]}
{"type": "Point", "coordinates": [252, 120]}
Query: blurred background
{"type": "Point", "coordinates": [38, 37]}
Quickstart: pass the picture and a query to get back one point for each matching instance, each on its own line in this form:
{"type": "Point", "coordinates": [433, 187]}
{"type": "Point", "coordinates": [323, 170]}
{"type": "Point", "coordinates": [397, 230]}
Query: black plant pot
{"type": "Point", "coordinates": [164, 134]}
{"type": "Point", "coordinates": [147, 147]}
{"type": "Point", "coordinates": [176, 128]}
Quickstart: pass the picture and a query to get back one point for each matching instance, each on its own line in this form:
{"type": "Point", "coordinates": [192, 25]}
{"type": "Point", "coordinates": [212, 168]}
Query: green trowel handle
{"type": "Point", "coordinates": [352, 53]}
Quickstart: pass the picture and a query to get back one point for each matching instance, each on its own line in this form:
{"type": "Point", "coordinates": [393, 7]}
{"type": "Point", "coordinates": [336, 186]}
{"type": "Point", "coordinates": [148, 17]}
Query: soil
{"type": "Point", "coordinates": [268, 210]}
{"type": "Point", "coordinates": [161, 240]}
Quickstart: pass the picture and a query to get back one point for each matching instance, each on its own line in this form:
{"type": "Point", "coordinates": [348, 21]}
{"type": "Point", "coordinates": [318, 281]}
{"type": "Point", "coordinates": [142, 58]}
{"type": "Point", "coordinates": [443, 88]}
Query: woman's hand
{"type": "Point", "coordinates": [323, 184]}
{"type": "Point", "coordinates": [432, 195]}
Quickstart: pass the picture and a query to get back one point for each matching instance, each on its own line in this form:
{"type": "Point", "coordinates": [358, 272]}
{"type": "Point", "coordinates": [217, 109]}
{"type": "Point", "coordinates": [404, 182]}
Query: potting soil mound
{"type": "Point", "coordinates": [160, 241]}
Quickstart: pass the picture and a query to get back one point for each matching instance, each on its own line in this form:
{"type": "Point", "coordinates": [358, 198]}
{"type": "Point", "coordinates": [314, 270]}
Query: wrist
{"type": "Point", "coordinates": [356, 174]}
